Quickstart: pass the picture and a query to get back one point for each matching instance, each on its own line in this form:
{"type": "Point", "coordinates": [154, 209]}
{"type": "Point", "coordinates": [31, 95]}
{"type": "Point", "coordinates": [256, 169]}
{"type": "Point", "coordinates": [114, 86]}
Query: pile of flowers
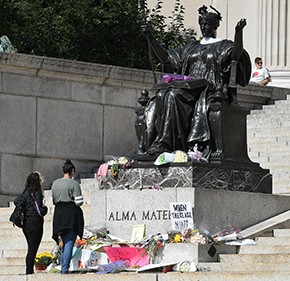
{"type": "Point", "coordinates": [44, 258]}
{"type": "Point", "coordinates": [190, 236]}
{"type": "Point", "coordinates": [204, 237]}
{"type": "Point", "coordinates": [116, 165]}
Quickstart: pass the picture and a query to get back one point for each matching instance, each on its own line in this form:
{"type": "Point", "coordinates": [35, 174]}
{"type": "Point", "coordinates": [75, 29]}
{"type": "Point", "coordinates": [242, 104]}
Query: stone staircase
{"type": "Point", "coordinates": [268, 133]}
{"type": "Point", "coordinates": [271, 254]}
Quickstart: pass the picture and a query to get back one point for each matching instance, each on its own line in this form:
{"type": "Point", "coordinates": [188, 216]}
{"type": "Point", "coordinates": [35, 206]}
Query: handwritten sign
{"type": "Point", "coordinates": [181, 215]}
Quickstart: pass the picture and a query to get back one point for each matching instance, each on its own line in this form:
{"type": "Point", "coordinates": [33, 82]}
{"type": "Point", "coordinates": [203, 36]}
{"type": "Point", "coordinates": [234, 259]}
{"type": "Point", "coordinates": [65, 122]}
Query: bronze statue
{"type": "Point", "coordinates": [183, 112]}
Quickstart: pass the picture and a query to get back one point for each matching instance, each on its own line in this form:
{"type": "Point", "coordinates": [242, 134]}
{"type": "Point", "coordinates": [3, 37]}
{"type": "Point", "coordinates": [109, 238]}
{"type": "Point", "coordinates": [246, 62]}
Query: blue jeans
{"type": "Point", "coordinates": [68, 239]}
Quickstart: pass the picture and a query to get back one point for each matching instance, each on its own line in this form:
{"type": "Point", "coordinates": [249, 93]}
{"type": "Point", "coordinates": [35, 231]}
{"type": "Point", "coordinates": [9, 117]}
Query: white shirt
{"type": "Point", "coordinates": [258, 75]}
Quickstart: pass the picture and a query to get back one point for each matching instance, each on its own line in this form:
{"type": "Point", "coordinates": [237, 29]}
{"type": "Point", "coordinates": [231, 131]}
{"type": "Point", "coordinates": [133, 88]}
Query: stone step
{"type": "Point", "coordinates": [268, 122]}
{"type": "Point", "coordinates": [267, 162]}
{"type": "Point", "coordinates": [21, 253]}
{"type": "Point", "coordinates": [20, 243]}
{"type": "Point", "coordinates": [5, 223]}
{"type": "Point", "coordinates": [11, 272]}
{"type": "Point", "coordinates": [257, 249]}
{"type": "Point", "coordinates": [270, 132]}
{"type": "Point", "coordinates": [281, 232]}
{"type": "Point", "coordinates": [281, 108]}
{"type": "Point", "coordinates": [279, 158]}
{"type": "Point", "coordinates": [16, 232]}
{"type": "Point", "coordinates": [281, 140]}
{"type": "Point", "coordinates": [245, 266]}
{"type": "Point", "coordinates": [273, 241]}
{"type": "Point", "coordinates": [255, 112]}
{"type": "Point", "coordinates": [265, 157]}
{"type": "Point", "coordinates": [265, 153]}
{"type": "Point", "coordinates": [267, 148]}
{"type": "Point", "coordinates": [233, 259]}
{"type": "Point", "coordinates": [281, 189]}
{"type": "Point", "coordinates": [281, 181]}
{"type": "Point", "coordinates": [278, 103]}
{"type": "Point", "coordinates": [12, 261]}
{"type": "Point", "coordinates": [170, 276]}
{"type": "Point", "coordinates": [280, 174]}
{"type": "Point", "coordinates": [269, 111]}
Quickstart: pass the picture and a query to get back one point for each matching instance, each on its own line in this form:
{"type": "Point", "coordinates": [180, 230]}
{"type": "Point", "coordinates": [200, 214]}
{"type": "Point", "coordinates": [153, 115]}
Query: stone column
{"type": "Point", "coordinates": [274, 39]}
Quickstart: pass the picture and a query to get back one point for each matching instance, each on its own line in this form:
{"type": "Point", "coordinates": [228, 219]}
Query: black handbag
{"type": "Point", "coordinates": [17, 216]}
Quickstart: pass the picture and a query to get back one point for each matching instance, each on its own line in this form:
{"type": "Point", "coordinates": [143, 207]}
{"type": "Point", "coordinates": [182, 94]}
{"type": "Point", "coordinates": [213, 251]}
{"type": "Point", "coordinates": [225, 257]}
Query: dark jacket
{"type": "Point", "coordinates": [25, 199]}
{"type": "Point", "coordinates": [67, 216]}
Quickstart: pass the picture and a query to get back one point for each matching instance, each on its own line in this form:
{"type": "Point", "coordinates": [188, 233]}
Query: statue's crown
{"type": "Point", "coordinates": [203, 12]}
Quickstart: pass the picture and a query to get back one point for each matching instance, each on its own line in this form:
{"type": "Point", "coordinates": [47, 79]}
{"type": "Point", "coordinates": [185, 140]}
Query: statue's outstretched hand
{"type": "Point", "coordinates": [241, 24]}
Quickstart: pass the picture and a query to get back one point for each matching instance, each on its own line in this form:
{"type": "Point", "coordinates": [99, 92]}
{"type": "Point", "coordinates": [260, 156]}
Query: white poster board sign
{"type": "Point", "coordinates": [181, 215]}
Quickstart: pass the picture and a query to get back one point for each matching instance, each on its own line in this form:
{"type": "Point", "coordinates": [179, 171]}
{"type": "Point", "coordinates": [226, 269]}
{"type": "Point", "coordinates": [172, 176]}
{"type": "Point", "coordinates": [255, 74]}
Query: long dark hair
{"type": "Point", "coordinates": [68, 167]}
{"type": "Point", "coordinates": [33, 182]}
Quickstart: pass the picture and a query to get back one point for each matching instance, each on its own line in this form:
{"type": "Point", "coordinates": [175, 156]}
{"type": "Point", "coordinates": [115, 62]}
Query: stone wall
{"type": "Point", "coordinates": [53, 109]}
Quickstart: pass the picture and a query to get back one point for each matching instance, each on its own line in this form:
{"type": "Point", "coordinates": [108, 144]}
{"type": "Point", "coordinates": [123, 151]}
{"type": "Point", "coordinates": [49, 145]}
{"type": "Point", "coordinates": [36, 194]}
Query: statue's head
{"type": "Point", "coordinates": [208, 21]}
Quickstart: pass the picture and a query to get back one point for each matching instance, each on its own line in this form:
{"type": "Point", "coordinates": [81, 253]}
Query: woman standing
{"type": "Point", "coordinates": [32, 201]}
{"type": "Point", "coordinates": [68, 221]}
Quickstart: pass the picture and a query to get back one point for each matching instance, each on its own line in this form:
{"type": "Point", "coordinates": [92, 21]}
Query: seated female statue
{"type": "Point", "coordinates": [177, 118]}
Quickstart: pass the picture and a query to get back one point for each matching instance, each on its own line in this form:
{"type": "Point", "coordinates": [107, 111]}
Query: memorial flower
{"type": "Point", "coordinates": [190, 236]}
{"type": "Point", "coordinates": [114, 170]}
{"type": "Point", "coordinates": [80, 242]}
{"type": "Point", "coordinates": [177, 238]}
{"type": "Point", "coordinates": [153, 244]}
{"type": "Point", "coordinates": [44, 258]}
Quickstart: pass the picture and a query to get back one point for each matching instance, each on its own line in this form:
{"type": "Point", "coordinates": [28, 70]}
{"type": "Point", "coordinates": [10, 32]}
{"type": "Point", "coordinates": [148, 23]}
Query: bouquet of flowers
{"type": "Point", "coordinates": [190, 236]}
{"type": "Point", "coordinates": [152, 245]}
{"type": "Point", "coordinates": [44, 258]}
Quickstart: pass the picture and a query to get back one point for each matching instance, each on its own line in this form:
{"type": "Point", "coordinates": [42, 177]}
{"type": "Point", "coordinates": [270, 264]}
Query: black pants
{"type": "Point", "coordinates": [33, 231]}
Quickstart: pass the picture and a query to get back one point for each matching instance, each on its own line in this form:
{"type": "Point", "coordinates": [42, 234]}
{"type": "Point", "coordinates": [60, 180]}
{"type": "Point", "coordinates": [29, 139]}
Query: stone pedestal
{"type": "Point", "coordinates": [225, 176]}
{"type": "Point", "coordinates": [177, 252]}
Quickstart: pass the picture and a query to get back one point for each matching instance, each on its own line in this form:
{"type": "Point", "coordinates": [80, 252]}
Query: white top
{"type": "Point", "coordinates": [258, 75]}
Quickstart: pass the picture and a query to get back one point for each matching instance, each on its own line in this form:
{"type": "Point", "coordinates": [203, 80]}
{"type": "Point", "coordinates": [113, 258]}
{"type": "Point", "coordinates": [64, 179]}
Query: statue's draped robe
{"type": "Point", "coordinates": [177, 117]}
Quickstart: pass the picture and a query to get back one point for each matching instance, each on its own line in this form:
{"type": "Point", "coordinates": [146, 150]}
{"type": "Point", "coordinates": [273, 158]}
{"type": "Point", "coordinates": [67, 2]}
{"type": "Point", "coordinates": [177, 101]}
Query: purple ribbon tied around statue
{"type": "Point", "coordinates": [174, 77]}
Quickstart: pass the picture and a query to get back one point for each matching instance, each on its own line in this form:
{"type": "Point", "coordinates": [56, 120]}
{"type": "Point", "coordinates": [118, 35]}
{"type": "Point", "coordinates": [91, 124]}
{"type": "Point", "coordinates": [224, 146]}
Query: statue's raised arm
{"type": "Point", "coordinates": [238, 41]}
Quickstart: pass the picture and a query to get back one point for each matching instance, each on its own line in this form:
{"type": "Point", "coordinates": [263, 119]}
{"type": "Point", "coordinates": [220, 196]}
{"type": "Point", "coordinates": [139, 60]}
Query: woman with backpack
{"type": "Point", "coordinates": [31, 200]}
